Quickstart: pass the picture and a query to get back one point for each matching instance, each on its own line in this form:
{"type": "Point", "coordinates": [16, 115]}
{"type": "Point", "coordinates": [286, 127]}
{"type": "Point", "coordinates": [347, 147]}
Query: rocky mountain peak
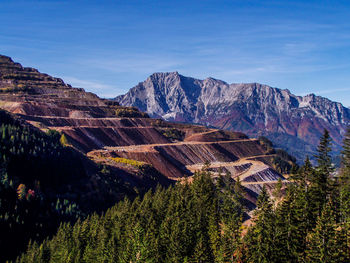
{"type": "Point", "coordinates": [158, 76]}
{"type": "Point", "coordinates": [293, 122]}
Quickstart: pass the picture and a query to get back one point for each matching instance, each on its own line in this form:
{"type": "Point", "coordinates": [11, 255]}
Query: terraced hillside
{"type": "Point", "coordinates": [126, 141]}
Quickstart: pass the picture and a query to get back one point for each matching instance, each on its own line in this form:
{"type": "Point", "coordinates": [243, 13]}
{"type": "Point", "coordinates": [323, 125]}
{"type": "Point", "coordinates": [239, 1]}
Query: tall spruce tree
{"type": "Point", "coordinates": [291, 223]}
{"type": "Point", "coordinates": [345, 180]}
{"type": "Point", "coordinates": [231, 223]}
{"type": "Point", "coordinates": [321, 186]}
{"type": "Point", "coordinates": [260, 239]}
{"type": "Point", "coordinates": [307, 208]}
{"type": "Point", "coordinates": [324, 164]}
{"type": "Point", "coordinates": [322, 242]}
{"type": "Point", "coordinates": [346, 152]}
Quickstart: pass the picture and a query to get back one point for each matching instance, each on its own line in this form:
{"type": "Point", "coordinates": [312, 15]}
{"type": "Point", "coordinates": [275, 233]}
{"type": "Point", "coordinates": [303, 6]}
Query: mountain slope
{"type": "Point", "coordinates": [120, 150]}
{"type": "Point", "coordinates": [125, 139]}
{"type": "Point", "coordinates": [292, 122]}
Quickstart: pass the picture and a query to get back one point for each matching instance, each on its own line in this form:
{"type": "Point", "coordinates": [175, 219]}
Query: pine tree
{"type": "Point", "coordinates": [307, 207]}
{"type": "Point", "coordinates": [238, 197]}
{"type": "Point", "coordinates": [231, 218]}
{"type": "Point", "coordinates": [260, 239]}
{"type": "Point", "coordinates": [291, 225]}
{"type": "Point", "coordinates": [304, 174]}
{"type": "Point", "coordinates": [277, 192]}
{"type": "Point", "coordinates": [321, 184]}
{"type": "Point", "coordinates": [324, 164]}
{"type": "Point", "coordinates": [202, 251]}
{"type": "Point", "coordinates": [44, 252]}
{"type": "Point", "coordinates": [136, 247]}
{"type": "Point", "coordinates": [322, 241]}
{"type": "Point", "coordinates": [346, 151]}
{"type": "Point", "coordinates": [342, 243]}
{"type": "Point", "coordinates": [205, 202]}
{"type": "Point", "coordinates": [345, 180]}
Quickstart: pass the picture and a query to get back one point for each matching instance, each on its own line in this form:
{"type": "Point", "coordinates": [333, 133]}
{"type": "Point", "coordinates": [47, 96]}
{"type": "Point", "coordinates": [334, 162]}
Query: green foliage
{"type": "Point", "coordinates": [267, 144]}
{"type": "Point", "coordinates": [282, 161]}
{"type": "Point", "coordinates": [135, 163]}
{"type": "Point", "coordinates": [197, 222]}
{"type": "Point", "coordinates": [290, 228]}
{"type": "Point", "coordinates": [173, 134]}
{"type": "Point", "coordinates": [187, 222]}
{"type": "Point", "coordinates": [129, 112]}
{"type": "Point", "coordinates": [64, 140]}
{"type": "Point", "coordinates": [345, 180]}
{"type": "Point", "coordinates": [33, 166]}
{"type": "Point", "coordinates": [322, 243]}
{"type": "Point", "coordinates": [305, 226]}
{"type": "Point", "coordinates": [260, 237]}
{"type": "Point", "coordinates": [321, 184]}
{"type": "Point", "coordinates": [202, 222]}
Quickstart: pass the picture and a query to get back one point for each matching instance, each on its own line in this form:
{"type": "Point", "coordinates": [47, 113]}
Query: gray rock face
{"type": "Point", "coordinates": [292, 122]}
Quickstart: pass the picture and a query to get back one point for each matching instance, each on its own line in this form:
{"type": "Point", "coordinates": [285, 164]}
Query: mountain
{"type": "Point", "coordinates": [294, 123]}
{"type": "Point", "coordinates": [66, 153]}
{"type": "Point", "coordinates": [115, 136]}
{"type": "Point", "coordinates": [124, 139]}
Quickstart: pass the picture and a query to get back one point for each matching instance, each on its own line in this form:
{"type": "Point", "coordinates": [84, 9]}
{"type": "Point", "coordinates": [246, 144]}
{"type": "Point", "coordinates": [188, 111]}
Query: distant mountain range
{"type": "Point", "coordinates": [292, 122]}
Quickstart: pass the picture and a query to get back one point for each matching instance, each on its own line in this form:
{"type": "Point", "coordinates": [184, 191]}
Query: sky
{"type": "Point", "coordinates": [107, 47]}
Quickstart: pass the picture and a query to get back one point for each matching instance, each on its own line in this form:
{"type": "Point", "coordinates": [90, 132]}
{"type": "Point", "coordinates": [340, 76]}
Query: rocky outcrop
{"type": "Point", "coordinates": [292, 122]}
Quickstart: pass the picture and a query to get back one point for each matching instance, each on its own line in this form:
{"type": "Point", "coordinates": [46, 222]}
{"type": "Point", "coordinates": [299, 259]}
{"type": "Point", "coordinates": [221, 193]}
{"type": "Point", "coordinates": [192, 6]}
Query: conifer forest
{"type": "Point", "coordinates": [197, 220]}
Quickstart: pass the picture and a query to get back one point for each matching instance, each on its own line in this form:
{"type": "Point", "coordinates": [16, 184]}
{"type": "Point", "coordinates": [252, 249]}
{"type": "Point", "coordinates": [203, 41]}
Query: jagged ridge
{"type": "Point", "coordinates": [292, 122]}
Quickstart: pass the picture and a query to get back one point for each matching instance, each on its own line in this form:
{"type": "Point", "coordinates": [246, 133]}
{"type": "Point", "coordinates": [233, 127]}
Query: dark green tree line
{"type": "Point", "coordinates": [306, 221]}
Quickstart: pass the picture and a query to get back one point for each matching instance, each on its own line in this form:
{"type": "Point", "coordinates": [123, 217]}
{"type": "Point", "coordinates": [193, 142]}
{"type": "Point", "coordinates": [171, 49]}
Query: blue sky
{"type": "Point", "coordinates": [108, 47]}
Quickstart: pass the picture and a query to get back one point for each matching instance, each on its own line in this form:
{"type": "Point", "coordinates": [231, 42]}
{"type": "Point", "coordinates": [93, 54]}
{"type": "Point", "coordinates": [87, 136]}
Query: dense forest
{"type": "Point", "coordinates": [44, 181]}
{"type": "Point", "coordinates": [305, 220]}
{"type": "Point", "coordinates": [33, 168]}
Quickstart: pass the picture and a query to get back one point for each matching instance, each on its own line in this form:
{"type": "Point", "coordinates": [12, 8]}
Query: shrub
{"type": "Point", "coordinates": [131, 162]}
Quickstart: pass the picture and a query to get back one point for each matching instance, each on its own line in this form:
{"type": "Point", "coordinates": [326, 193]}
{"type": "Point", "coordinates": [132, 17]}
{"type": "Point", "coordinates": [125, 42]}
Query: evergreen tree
{"type": "Point", "coordinates": [322, 242]}
{"type": "Point", "coordinates": [342, 243]}
{"type": "Point", "coordinates": [277, 192]}
{"type": "Point", "coordinates": [321, 184]}
{"type": "Point", "coordinates": [346, 152]}
{"type": "Point", "coordinates": [291, 226]}
{"type": "Point", "coordinates": [324, 165]}
{"type": "Point", "coordinates": [260, 239]}
{"type": "Point", "coordinates": [344, 184]}
{"type": "Point", "coordinates": [136, 250]}
{"type": "Point", "coordinates": [231, 213]}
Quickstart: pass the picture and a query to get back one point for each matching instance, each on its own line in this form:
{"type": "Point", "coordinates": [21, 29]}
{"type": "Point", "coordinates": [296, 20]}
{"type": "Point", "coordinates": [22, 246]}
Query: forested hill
{"type": "Point", "coordinates": [201, 221]}
{"type": "Point", "coordinates": [44, 182]}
